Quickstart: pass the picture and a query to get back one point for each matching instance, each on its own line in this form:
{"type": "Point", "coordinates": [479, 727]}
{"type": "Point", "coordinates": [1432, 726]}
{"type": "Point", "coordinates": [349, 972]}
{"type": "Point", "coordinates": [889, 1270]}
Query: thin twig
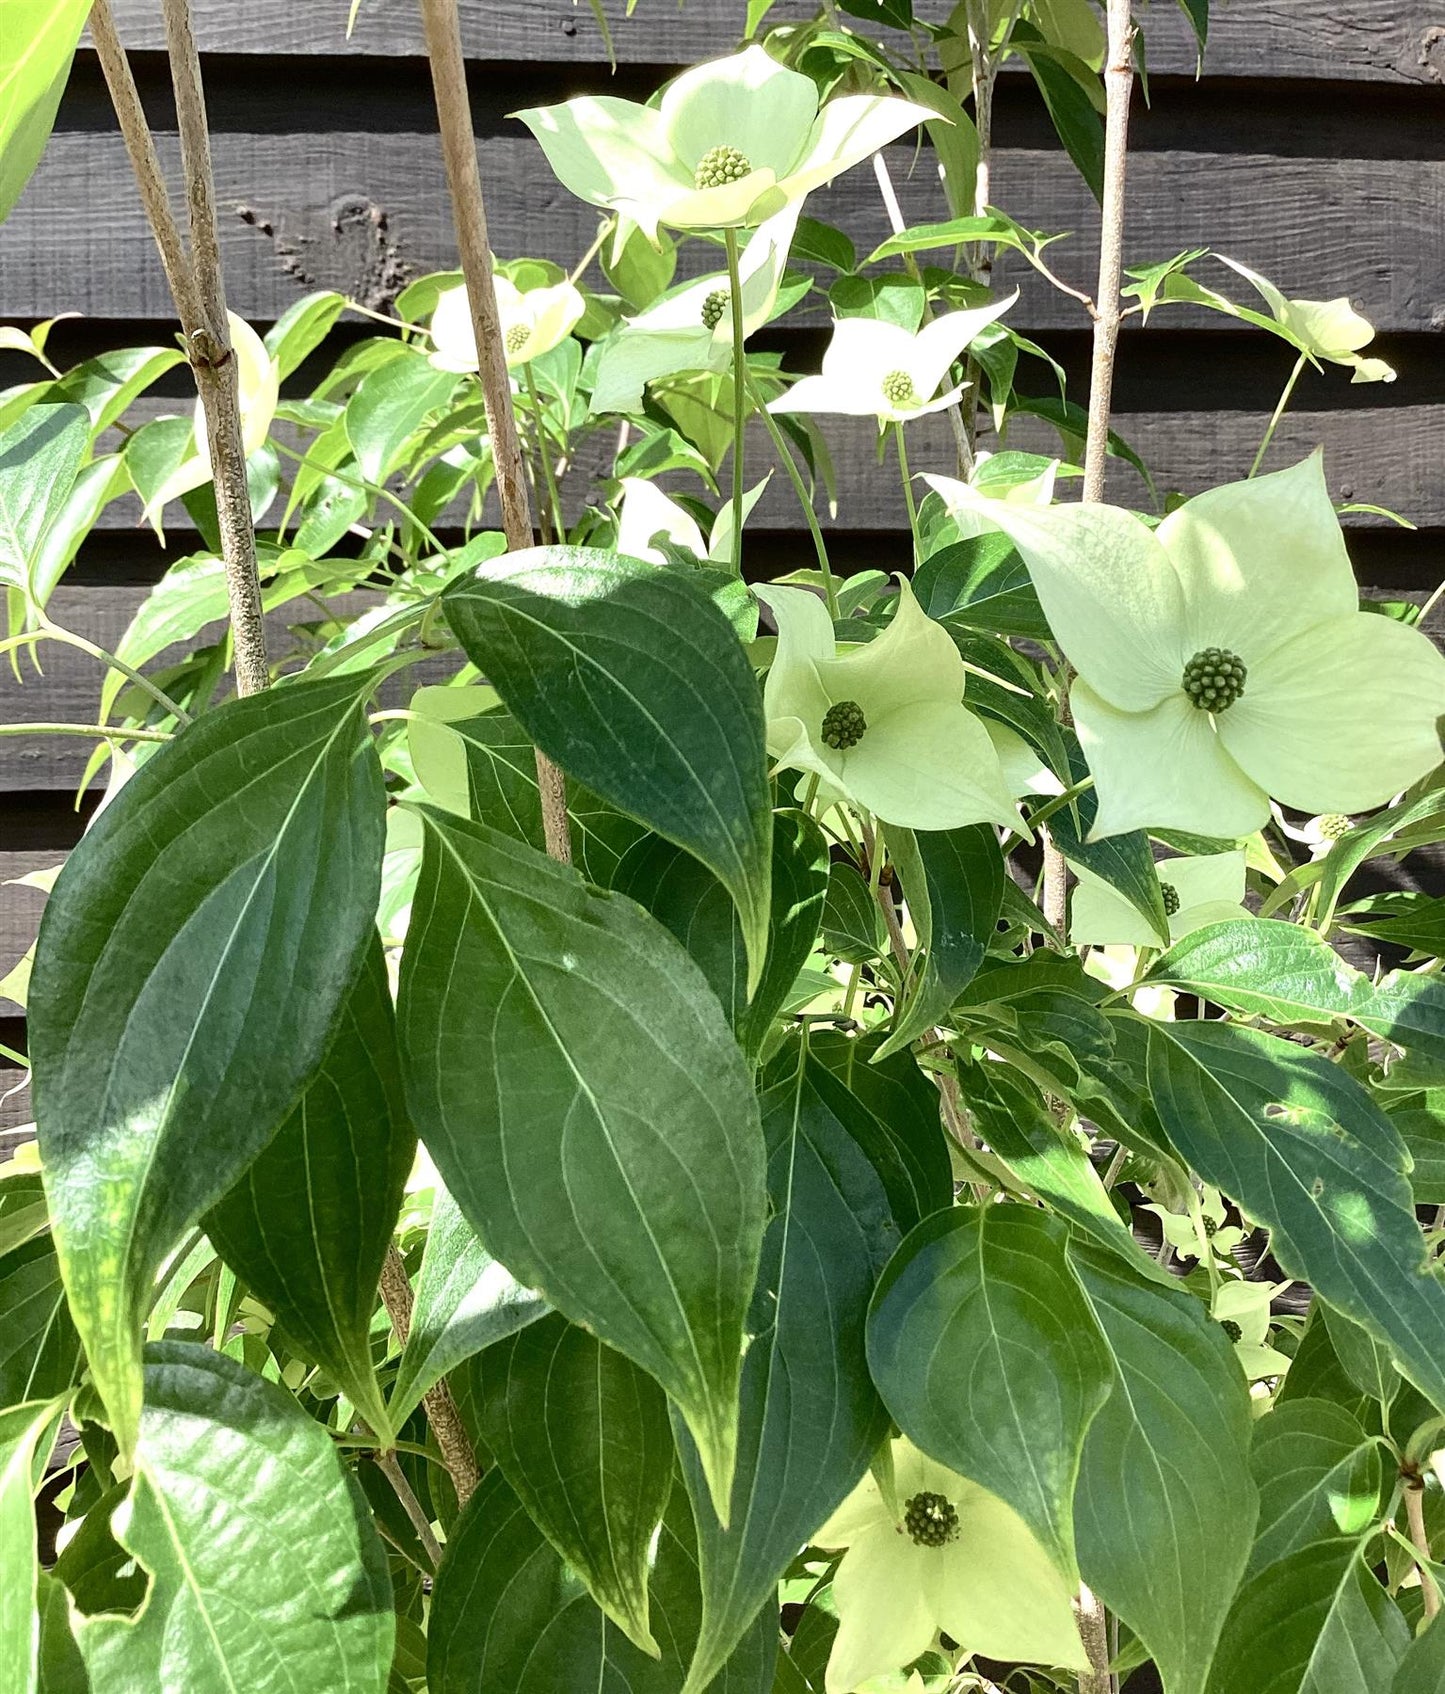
{"type": "Point", "coordinates": [387, 1464]}
{"type": "Point", "coordinates": [1094, 1631]}
{"type": "Point", "coordinates": [441, 1409]}
{"type": "Point", "coordinates": [208, 344]}
{"type": "Point", "coordinates": [459, 150]}
{"type": "Point", "coordinates": [1420, 1539]}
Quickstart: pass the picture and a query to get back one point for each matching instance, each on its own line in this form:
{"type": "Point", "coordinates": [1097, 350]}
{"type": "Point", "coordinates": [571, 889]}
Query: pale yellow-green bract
{"type": "Point", "coordinates": [533, 322]}
{"type": "Point", "coordinates": [1209, 887]}
{"type": "Point", "coordinates": [730, 143]}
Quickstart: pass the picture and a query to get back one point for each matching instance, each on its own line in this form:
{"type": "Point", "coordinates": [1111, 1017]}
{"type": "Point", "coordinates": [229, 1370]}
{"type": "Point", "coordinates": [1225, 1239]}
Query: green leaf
{"type": "Point", "coordinates": [574, 1078]}
{"type": "Point", "coordinates": [953, 881]}
{"type": "Point", "coordinates": [108, 383]}
{"type": "Point", "coordinates": [302, 327]}
{"type": "Point", "coordinates": [1422, 1670]}
{"type": "Point", "coordinates": [307, 1227]}
{"type": "Point", "coordinates": [265, 1570]}
{"type": "Point", "coordinates": [1060, 78]}
{"type": "Point", "coordinates": [40, 457]}
{"type": "Point", "coordinates": [582, 1436]}
{"type": "Point", "coordinates": [1125, 862]}
{"type": "Point", "coordinates": [40, 1353]}
{"type": "Point", "coordinates": [101, 481]}
{"type": "Point", "coordinates": [897, 14]}
{"type": "Point", "coordinates": [1366, 1361]}
{"type": "Point", "coordinates": [22, 1430]}
{"type": "Point", "coordinates": [1420, 1119]}
{"type": "Point", "coordinates": [62, 1670]}
{"type": "Point", "coordinates": [1319, 1476]}
{"type": "Point", "coordinates": [508, 1617]}
{"type": "Point", "coordinates": [1316, 1620]}
{"type": "Point", "coordinates": [1165, 1504]}
{"type": "Point", "coordinates": [1303, 1149]}
{"type": "Point", "coordinates": [823, 244]}
{"type": "Point", "coordinates": [633, 681]}
{"type": "Point", "coordinates": [989, 1357]}
{"type": "Point", "coordinates": [852, 924]}
{"type": "Point", "coordinates": [191, 961]}
{"type": "Point", "coordinates": [640, 271]}
{"type": "Point", "coordinates": [982, 583]}
{"type": "Point", "coordinates": [891, 299]}
{"type": "Point", "coordinates": [389, 406]}
{"type": "Point", "coordinates": [811, 1418]}
{"type": "Point", "coordinates": [465, 1301]}
{"type": "Point", "coordinates": [694, 905]}
{"type": "Point", "coordinates": [36, 48]}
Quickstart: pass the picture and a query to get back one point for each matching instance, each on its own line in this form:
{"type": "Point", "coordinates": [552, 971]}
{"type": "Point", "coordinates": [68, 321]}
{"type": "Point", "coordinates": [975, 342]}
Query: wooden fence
{"type": "Point", "coordinates": [1313, 148]}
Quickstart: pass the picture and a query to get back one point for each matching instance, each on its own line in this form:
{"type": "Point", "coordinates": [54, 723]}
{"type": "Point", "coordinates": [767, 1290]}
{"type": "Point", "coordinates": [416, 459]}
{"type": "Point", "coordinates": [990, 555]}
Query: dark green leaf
{"type": "Point", "coordinates": [953, 881]}
{"type": "Point", "coordinates": [811, 1418]}
{"type": "Point", "coordinates": [1074, 115]}
{"type": "Point", "coordinates": [40, 1352]}
{"type": "Point", "coordinates": [1304, 1150]}
{"type": "Point", "coordinates": [1366, 1361]}
{"type": "Point", "coordinates": [982, 583]}
{"type": "Point", "coordinates": [508, 1617]}
{"type": "Point", "coordinates": [307, 1227]}
{"type": "Point", "coordinates": [1165, 1504]}
{"type": "Point", "coordinates": [575, 1080]}
{"type": "Point", "coordinates": [264, 1566]}
{"type": "Point", "coordinates": [898, 14]}
{"type": "Point", "coordinates": [465, 1301]}
{"type": "Point", "coordinates": [989, 1357]}
{"type": "Point", "coordinates": [1420, 1119]}
{"type": "Point", "coordinates": [1125, 862]}
{"type": "Point", "coordinates": [583, 1438]}
{"type": "Point", "coordinates": [1422, 1670]}
{"type": "Point", "coordinates": [22, 1430]}
{"type": "Point", "coordinates": [822, 244]}
{"type": "Point", "coordinates": [1319, 1477]}
{"type": "Point", "coordinates": [852, 923]}
{"type": "Point", "coordinates": [191, 962]}
{"type": "Point", "coordinates": [634, 682]}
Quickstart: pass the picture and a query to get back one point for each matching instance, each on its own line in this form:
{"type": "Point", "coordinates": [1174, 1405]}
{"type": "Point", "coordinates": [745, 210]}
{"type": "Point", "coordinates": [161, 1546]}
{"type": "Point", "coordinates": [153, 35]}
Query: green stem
{"type": "Point", "coordinates": [795, 476]}
{"type": "Point", "coordinates": [374, 489]}
{"type": "Point", "coordinates": [907, 491]}
{"type": "Point", "coordinates": [740, 398]}
{"type": "Point", "coordinates": [102, 731]}
{"type": "Point", "coordinates": [1284, 399]}
{"type": "Point", "coordinates": [554, 499]}
{"type": "Point", "coordinates": [161, 698]}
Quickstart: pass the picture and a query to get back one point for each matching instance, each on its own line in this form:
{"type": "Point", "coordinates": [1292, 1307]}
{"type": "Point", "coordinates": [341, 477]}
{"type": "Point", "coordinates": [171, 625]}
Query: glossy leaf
{"type": "Point", "coordinates": [389, 406]}
{"type": "Point", "coordinates": [990, 1359]}
{"type": "Point", "coordinates": [1306, 1152]}
{"type": "Point", "coordinates": [307, 1227]}
{"type": "Point", "coordinates": [40, 457]}
{"type": "Point", "coordinates": [1422, 1670]}
{"type": "Point", "coordinates": [1319, 1477]}
{"type": "Point", "coordinates": [635, 683]}
{"type": "Point", "coordinates": [1165, 1506]}
{"type": "Point", "coordinates": [465, 1301]}
{"type": "Point", "coordinates": [582, 1436]}
{"type": "Point", "coordinates": [191, 961]}
{"type": "Point", "coordinates": [811, 1418]}
{"type": "Point", "coordinates": [22, 1429]}
{"type": "Point", "coordinates": [574, 1078]}
{"type": "Point", "coordinates": [40, 1353]}
{"type": "Point", "coordinates": [508, 1617]}
{"type": "Point", "coordinates": [295, 1592]}
{"type": "Point", "coordinates": [953, 881]}
{"type": "Point", "coordinates": [35, 53]}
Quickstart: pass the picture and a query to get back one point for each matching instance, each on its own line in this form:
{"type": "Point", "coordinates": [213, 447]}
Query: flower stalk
{"type": "Point", "coordinates": [740, 397]}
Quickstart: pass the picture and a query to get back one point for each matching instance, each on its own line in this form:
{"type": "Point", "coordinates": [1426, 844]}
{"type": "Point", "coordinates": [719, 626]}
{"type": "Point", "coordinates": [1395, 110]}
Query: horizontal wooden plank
{"type": "Point", "coordinates": [1373, 40]}
{"type": "Point", "coordinates": [370, 211]}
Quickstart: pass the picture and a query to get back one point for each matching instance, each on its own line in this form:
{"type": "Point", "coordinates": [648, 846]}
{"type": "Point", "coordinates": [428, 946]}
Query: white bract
{"type": "Point", "coordinates": [1197, 891]}
{"type": "Point", "coordinates": [533, 322]}
{"type": "Point", "coordinates": [881, 724]}
{"type": "Point", "coordinates": [991, 480]}
{"type": "Point", "coordinates": [730, 143]}
{"type": "Point", "coordinates": [1242, 1308]}
{"type": "Point", "coordinates": [259, 392]}
{"type": "Point", "coordinates": [874, 369]}
{"type": "Point", "coordinates": [953, 1558]}
{"type": "Point", "coordinates": [1223, 658]}
{"type": "Point", "coordinates": [691, 328]}
{"type": "Point", "coordinates": [1325, 329]}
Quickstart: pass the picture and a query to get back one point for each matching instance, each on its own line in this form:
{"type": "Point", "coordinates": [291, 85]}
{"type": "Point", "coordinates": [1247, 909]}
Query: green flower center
{"type": "Point", "coordinates": [720, 166]}
{"type": "Point", "coordinates": [1211, 1228]}
{"type": "Point", "coordinates": [715, 306]}
{"type": "Point", "coordinates": [1171, 898]}
{"type": "Point", "coordinates": [843, 725]}
{"type": "Point", "coordinates": [930, 1520]}
{"type": "Point", "coordinates": [1333, 825]}
{"type": "Point", "coordinates": [1214, 679]}
{"type": "Point", "coordinates": [517, 338]}
{"type": "Point", "coordinates": [1231, 1329]}
{"type": "Point", "coordinates": [898, 389]}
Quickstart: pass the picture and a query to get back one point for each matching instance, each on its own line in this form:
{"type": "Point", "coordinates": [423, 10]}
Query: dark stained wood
{"type": "Point", "coordinates": [1368, 40]}
{"type": "Point", "coordinates": [369, 211]}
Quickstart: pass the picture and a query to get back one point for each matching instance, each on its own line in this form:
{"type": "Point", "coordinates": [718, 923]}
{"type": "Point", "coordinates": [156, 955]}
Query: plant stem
{"type": "Point", "coordinates": [1118, 86]}
{"type": "Point", "coordinates": [459, 150]}
{"type": "Point", "coordinates": [71, 639]}
{"type": "Point", "coordinates": [554, 499]}
{"type": "Point", "coordinates": [907, 490]}
{"type": "Point", "coordinates": [441, 1410]}
{"type": "Point", "coordinates": [795, 476]}
{"type": "Point", "coordinates": [103, 732]}
{"type": "Point", "coordinates": [387, 1464]}
{"type": "Point", "coordinates": [1279, 411]}
{"type": "Point", "coordinates": [740, 391]}
{"type": "Point", "coordinates": [199, 293]}
{"type": "Point", "coordinates": [1420, 1539]}
{"type": "Point", "coordinates": [1094, 1631]}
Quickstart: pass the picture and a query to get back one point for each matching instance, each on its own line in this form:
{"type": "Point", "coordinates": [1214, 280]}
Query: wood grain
{"type": "Point", "coordinates": [1368, 40]}
{"type": "Point", "coordinates": [369, 211]}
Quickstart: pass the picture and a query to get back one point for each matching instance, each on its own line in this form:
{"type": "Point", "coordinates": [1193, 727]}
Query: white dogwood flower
{"type": "Point", "coordinates": [730, 143]}
{"type": "Point", "coordinates": [1197, 891]}
{"type": "Point", "coordinates": [533, 322]}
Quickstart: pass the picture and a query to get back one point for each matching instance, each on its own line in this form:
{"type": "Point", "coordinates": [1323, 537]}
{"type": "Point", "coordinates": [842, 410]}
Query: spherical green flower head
{"type": "Point", "coordinates": [881, 724]}
{"type": "Point", "coordinates": [730, 143]}
{"type": "Point", "coordinates": [955, 1559]}
{"type": "Point", "coordinates": [1322, 706]}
